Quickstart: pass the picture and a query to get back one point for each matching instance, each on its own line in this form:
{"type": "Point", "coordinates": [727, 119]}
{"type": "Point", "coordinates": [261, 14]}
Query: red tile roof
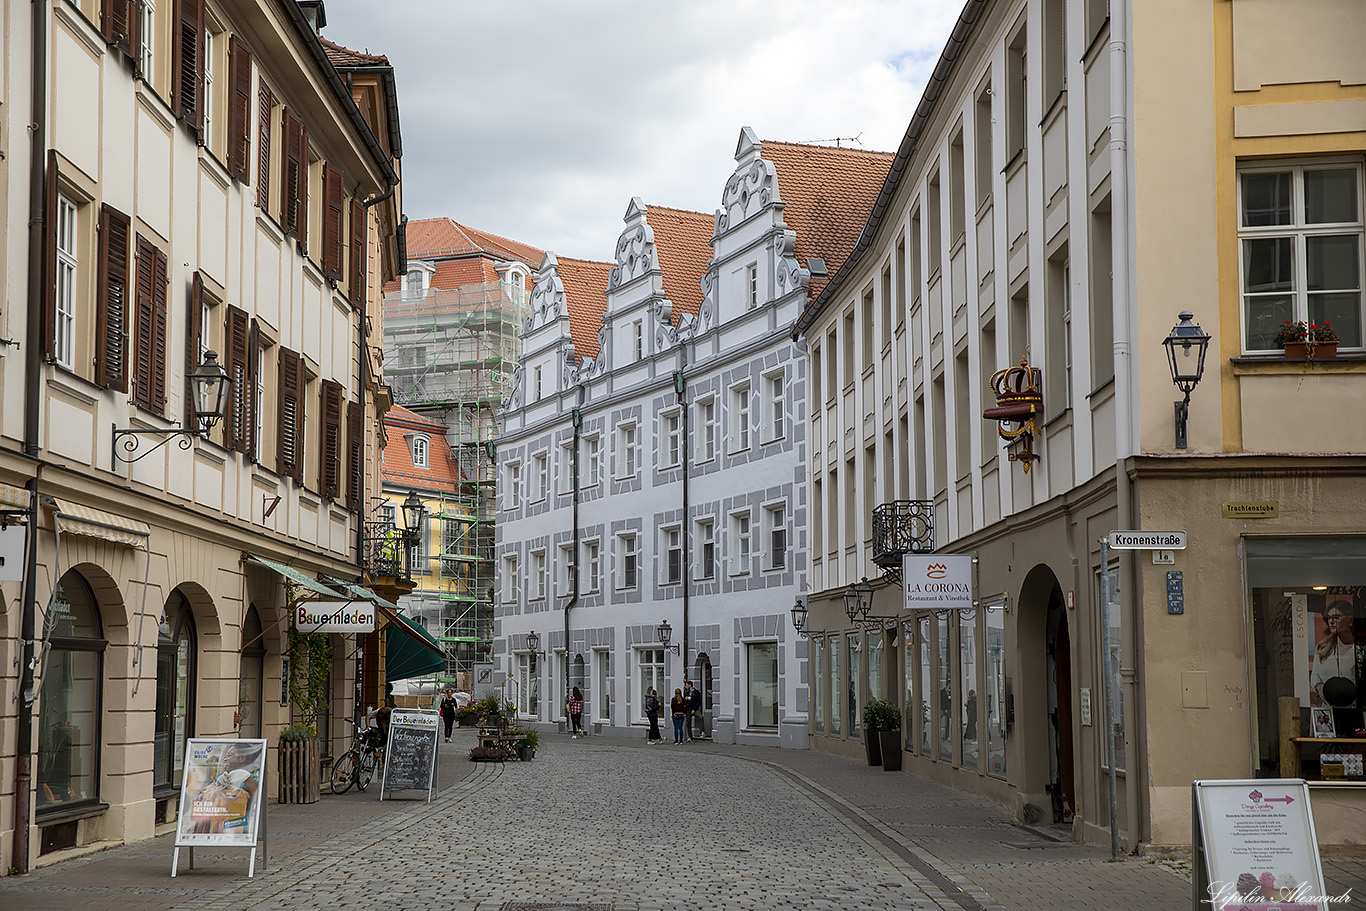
{"type": "Point", "coordinates": [828, 193]}
{"type": "Point", "coordinates": [399, 470]}
{"type": "Point", "coordinates": [342, 57]}
{"type": "Point", "coordinates": [585, 297]}
{"type": "Point", "coordinates": [683, 244]}
{"type": "Point", "coordinates": [433, 238]}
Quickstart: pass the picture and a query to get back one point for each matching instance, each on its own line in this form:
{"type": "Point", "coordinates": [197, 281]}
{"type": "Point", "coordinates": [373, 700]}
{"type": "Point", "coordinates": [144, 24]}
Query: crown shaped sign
{"type": "Point", "coordinates": [1019, 397]}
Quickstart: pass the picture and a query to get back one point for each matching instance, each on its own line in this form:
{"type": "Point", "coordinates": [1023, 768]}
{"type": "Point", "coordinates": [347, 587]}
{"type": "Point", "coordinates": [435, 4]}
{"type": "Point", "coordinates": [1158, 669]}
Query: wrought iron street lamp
{"type": "Point", "coordinates": [858, 601]}
{"type": "Point", "coordinates": [413, 511]}
{"type": "Point", "coordinates": [1186, 371]}
{"type": "Point", "coordinates": [666, 633]}
{"type": "Point", "coordinates": [209, 387]}
{"type": "Point", "coordinates": [533, 644]}
{"type": "Point", "coordinates": [799, 618]}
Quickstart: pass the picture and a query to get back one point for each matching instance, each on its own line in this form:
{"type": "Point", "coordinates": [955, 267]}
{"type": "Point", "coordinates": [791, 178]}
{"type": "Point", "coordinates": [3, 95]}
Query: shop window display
{"type": "Point", "coordinates": [71, 670]}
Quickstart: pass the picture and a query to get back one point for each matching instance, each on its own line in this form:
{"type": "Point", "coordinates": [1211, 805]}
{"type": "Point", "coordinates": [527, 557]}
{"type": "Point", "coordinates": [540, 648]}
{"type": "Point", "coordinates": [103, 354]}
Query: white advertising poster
{"type": "Point", "coordinates": [334, 617]}
{"type": "Point", "coordinates": [1260, 848]}
{"type": "Point", "coordinates": [937, 582]}
{"type": "Point", "coordinates": [12, 539]}
{"type": "Point", "coordinates": [220, 797]}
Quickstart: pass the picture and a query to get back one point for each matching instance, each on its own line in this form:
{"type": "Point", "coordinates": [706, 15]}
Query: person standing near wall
{"type": "Point", "coordinates": [574, 708]}
{"type": "Point", "coordinates": [678, 708]}
{"type": "Point", "coordinates": [693, 696]}
{"type": "Point", "coordinates": [652, 713]}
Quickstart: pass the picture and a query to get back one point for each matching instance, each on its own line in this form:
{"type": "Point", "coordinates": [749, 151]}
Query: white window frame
{"type": "Point", "coordinates": [638, 339]}
{"type": "Point", "coordinates": [650, 674]}
{"type": "Point", "coordinates": [750, 647]}
{"type": "Point", "coordinates": [752, 286]}
{"type": "Point", "coordinates": [740, 416]}
{"type": "Point", "coordinates": [207, 52]}
{"type": "Point", "coordinates": [671, 546]}
{"type": "Point", "coordinates": [538, 575]}
{"type": "Point", "coordinates": [671, 429]}
{"type": "Point", "coordinates": [706, 423]}
{"type": "Point", "coordinates": [706, 548]}
{"type": "Point", "coordinates": [514, 485]}
{"type": "Point", "coordinates": [628, 555]}
{"type": "Point", "coordinates": [627, 442]}
{"type": "Point", "coordinates": [536, 384]}
{"type": "Point", "coordinates": [776, 536]}
{"type": "Point", "coordinates": [566, 472]}
{"type": "Point", "coordinates": [777, 405]}
{"type": "Point", "coordinates": [741, 542]}
{"type": "Point", "coordinates": [68, 237]}
{"type": "Point", "coordinates": [147, 36]}
{"type": "Point", "coordinates": [420, 445]}
{"type": "Point", "coordinates": [602, 678]}
{"type": "Point", "coordinates": [1298, 230]}
{"type": "Point", "coordinates": [540, 472]}
{"type": "Point", "coordinates": [592, 452]}
{"type": "Point", "coordinates": [509, 579]}
{"type": "Point", "coordinates": [259, 405]}
{"type": "Point", "coordinates": [565, 569]}
{"type": "Point", "coordinates": [528, 685]}
{"type": "Point", "coordinates": [593, 560]}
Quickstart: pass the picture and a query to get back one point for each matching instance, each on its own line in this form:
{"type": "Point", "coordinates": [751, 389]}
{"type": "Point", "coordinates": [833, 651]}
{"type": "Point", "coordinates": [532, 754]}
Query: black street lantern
{"type": "Point", "coordinates": [851, 602]}
{"type": "Point", "coordinates": [209, 388]}
{"type": "Point", "coordinates": [1186, 371]}
{"type": "Point", "coordinates": [799, 618]}
{"type": "Point", "coordinates": [533, 642]}
{"type": "Point", "coordinates": [413, 511]}
{"type": "Point", "coordinates": [665, 632]}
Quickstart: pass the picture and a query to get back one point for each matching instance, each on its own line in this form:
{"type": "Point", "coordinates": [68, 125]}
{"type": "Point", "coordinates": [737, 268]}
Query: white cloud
{"type": "Point", "coordinates": [540, 119]}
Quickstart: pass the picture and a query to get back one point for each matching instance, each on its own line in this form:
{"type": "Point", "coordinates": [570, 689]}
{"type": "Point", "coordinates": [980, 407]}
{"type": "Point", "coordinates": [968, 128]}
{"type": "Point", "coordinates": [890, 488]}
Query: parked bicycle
{"type": "Point", "coordinates": [357, 765]}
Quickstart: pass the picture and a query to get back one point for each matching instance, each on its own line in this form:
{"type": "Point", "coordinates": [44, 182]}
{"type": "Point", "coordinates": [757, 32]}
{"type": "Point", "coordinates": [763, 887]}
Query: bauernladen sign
{"type": "Point", "coordinates": [1148, 540]}
{"type": "Point", "coordinates": [335, 617]}
{"type": "Point", "coordinates": [937, 582]}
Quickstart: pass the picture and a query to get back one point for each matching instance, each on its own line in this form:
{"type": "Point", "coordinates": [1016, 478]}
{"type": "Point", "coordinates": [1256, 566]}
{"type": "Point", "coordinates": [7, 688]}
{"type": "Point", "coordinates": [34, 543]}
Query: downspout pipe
{"type": "Point", "coordinates": [681, 388]}
{"type": "Point", "coordinates": [1124, 303]}
{"type": "Point", "coordinates": [577, 420]}
{"type": "Point", "coordinates": [33, 378]}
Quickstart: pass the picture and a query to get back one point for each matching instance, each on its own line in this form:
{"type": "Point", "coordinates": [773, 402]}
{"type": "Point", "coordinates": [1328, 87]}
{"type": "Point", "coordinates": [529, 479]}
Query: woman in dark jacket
{"type": "Point", "coordinates": [678, 706]}
{"type": "Point", "coordinates": [448, 713]}
{"type": "Point", "coordinates": [652, 712]}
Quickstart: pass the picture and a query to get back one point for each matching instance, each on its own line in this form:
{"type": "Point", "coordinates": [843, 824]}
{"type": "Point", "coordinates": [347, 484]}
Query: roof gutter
{"type": "Point", "coordinates": [315, 47]}
{"type": "Point", "coordinates": [939, 79]}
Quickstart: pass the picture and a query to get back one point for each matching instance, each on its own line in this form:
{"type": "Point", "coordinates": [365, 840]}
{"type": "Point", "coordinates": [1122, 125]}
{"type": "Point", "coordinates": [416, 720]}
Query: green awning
{"type": "Point", "coordinates": [295, 576]}
{"type": "Point", "coordinates": [359, 591]}
{"type": "Point", "coordinates": [409, 650]}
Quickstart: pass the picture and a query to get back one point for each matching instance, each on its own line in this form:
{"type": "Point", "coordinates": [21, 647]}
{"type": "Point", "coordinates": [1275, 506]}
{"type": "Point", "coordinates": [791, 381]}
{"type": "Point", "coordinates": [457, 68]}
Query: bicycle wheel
{"type": "Point", "coordinates": [344, 772]}
{"type": "Point", "coordinates": [365, 771]}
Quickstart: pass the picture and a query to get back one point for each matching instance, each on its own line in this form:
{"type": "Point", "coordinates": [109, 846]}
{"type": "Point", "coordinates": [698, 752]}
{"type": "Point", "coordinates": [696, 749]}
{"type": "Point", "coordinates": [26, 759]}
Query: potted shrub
{"type": "Point", "coordinates": [882, 733]}
{"type": "Point", "coordinates": [1308, 340]}
{"type": "Point", "coordinates": [527, 741]}
{"type": "Point", "coordinates": [301, 775]}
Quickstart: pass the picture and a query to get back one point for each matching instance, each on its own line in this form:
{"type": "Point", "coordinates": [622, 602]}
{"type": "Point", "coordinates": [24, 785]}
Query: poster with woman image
{"type": "Point", "coordinates": [220, 798]}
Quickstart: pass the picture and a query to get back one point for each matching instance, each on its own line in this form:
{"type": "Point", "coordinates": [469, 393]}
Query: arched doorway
{"type": "Point", "coordinates": [1043, 695]}
{"type": "Point", "coordinates": [250, 691]}
{"type": "Point", "coordinates": [704, 678]}
{"type": "Point", "coordinates": [177, 670]}
{"type": "Point", "coordinates": [1059, 675]}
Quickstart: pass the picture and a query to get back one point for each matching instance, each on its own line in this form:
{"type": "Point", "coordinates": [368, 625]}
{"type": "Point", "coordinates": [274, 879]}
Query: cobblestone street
{"type": "Point", "coordinates": [617, 825]}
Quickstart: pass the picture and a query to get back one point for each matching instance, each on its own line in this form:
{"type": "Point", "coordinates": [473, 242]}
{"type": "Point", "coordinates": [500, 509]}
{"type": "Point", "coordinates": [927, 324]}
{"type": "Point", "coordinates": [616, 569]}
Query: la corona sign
{"type": "Point", "coordinates": [937, 582]}
{"type": "Point", "coordinates": [335, 617]}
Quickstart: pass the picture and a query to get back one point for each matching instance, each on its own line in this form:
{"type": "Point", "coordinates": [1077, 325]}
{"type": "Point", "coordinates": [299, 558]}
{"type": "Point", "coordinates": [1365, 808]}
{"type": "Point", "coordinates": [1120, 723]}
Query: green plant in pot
{"type": "Point", "coordinates": [882, 733]}
{"type": "Point", "coordinates": [527, 742]}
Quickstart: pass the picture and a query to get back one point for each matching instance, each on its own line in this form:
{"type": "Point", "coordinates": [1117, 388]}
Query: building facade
{"type": "Point", "coordinates": [652, 451]}
{"type": "Point", "coordinates": [1076, 175]}
{"type": "Point", "coordinates": [198, 179]}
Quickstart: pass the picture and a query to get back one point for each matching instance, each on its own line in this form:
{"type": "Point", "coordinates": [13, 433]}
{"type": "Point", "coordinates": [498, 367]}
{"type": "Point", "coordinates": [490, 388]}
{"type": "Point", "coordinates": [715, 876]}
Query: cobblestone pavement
{"type": "Point", "coordinates": [612, 824]}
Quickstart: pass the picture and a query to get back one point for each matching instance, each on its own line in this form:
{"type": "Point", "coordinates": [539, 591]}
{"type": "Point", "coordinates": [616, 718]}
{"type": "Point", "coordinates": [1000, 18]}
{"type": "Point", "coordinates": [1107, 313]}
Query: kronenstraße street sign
{"type": "Point", "coordinates": [1148, 540]}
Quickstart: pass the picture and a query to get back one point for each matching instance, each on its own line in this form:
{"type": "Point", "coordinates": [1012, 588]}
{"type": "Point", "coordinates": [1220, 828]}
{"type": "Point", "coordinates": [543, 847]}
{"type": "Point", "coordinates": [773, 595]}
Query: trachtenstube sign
{"type": "Point", "coordinates": [937, 582]}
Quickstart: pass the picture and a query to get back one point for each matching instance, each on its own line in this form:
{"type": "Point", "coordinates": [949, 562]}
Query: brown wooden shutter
{"type": "Point", "coordinates": [330, 448]}
{"type": "Point", "coordinates": [144, 323]}
{"type": "Point", "coordinates": [159, 324]}
{"type": "Point", "coordinates": [50, 257]}
{"type": "Point", "coordinates": [187, 61]}
{"type": "Point", "coordinates": [249, 390]}
{"type": "Point", "coordinates": [116, 22]}
{"type": "Point", "coordinates": [294, 179]}
{"type": "Point", "coordinates": [300, 388]}
{"type": "Point", "coordinates": [239, 109]}
{"type": "Point", "coordinates": [355, 447]}
{"type": "Point", "coordinates": [194, 332]}
{"type": "Point", "coordinates": [235, 362]}
{"type": "Point", "coordinates": [111, 301]}
{"type": "Point", "coordinates": [266, 104]}
{"type": "Point", "coordinates": [290, 415]}
{"type": "Point", "coordinates": [332, 221]}
{"type": "Point", "coordinates": [356, 282]}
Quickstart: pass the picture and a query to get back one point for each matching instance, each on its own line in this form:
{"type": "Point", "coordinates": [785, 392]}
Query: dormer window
{"type": "Point", "coordinates": [419, 278]}
{"type": "Point", "coordinates": [419, 444]}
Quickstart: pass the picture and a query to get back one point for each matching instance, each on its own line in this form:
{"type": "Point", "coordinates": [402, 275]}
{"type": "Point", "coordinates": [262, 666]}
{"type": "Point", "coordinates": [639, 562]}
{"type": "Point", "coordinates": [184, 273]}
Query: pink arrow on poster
{"type": "Point", "coordinates": [1287, 799]}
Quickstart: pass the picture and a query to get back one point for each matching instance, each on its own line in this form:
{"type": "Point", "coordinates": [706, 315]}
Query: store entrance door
{"type": "Point", "coordinates": [1059, 650]}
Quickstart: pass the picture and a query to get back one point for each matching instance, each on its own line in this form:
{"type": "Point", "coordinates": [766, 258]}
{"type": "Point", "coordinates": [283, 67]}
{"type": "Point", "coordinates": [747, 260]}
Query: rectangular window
{"type": "Point", "coordinates": [509, 579]}
{"type": "Point", "coordinates": [418, 553]}
{"type": "Point", "coordinates": [672, 539]}
{"type": "Point", "coordinates": [740, 420]}
{"type": "Point", "coordinates": [602, 675]}
{"type": "Point", "coordinates": [762, 690]}
{"type": "Point", "coordinates": [638, 339]}
{"type": "Point", "coordinates": [849, 356]}
{"type": "Point", "coordinates": [875, 665]}
{"type": "Point", "coordinates": [650, 664]}
{"type": "Point", "coordinates": [706, 425]}
{"type": "Point", "coordinates": [752, 287]}
{"type": "Point", "coordinates": [514, 485]}
{"type": "Point", "coordinates": [566, 468]}
{"type": "Point", "coordinates": [1300, 235]}
{"type": "Point", "coordinates": [967, 687]}
{"type": "Point", "coordinates": [981, 137]}
{"type": "Point", "coordinates": [147, 33]}
{"type": "Point", "coordinates": [1016, 86]}
{"type": "Point", "coordinates": [777, 406]}
{"type": "Point", "coordinates": [1054, 50]}
{"type": "Point", "coordinates": [540, 472]}
{"type": "Point", "coordinates": [740, 538]}
{"type": "Point", "coordinates": [64, 343]}
{"type": "Point", "coordinates": [908, 671]}
{"type": "Point", "coordinates": [592, 559]}
{"type": "Point", "coordinates": [776, 518]}
{"type": "Point", "coordinates": [852, 669]}
{"type": "Point", "coordinates": [528, 686]}
{"type": "Point", "coordinates": [818, 684]}
{"type": "Point", "coordinates": [996, 688]}
{"type": "Point", "coordinates": [258, 408]}
{"type": "Point", "coordinates": [565, 569]}
{"type": "Point", "coordinates": [945, 668]}
{"type": "Point", "coordinates": [832, 387]}
{"type": "Point", "coordinates": [626, 562]}
{"type": "Point", "coordinates": [626, 448]}
{"type": "Point", "coordinates": [673, 440]}
{"type": "Point", "coordinates": [590, 461]}
{"type": "Point", "coordinates": [836, 686]}
{"type": "Point", "coordinates": [208, 51]}
{"type": "Point", "coordinates": [706, 547]}
{"type": "Point", "coordinates": [420, 452]}
{"type": "Point", "coordinates": [927, 712]}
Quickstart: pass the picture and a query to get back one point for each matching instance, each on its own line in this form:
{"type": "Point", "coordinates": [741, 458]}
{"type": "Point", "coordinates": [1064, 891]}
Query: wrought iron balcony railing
{"type": "Point", "coordinates": [902, 527]}
{"type": "Point", "coordinates": [386, 551]}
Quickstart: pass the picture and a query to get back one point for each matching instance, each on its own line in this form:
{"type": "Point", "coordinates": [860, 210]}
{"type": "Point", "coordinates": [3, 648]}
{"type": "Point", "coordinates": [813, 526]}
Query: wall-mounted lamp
{"type": "Point", "coordinates": [1185, 370]}
{"type": "Point", "coordinates": [209, 387]}
{"type": "Point", "coordinates": [858, 601]}
{"type": "Point", "coordinates": [665, 633]}
{"type": "Point", "coordinates": [533, 644]}
{"type": "Point", "coordinates": [799, 618]}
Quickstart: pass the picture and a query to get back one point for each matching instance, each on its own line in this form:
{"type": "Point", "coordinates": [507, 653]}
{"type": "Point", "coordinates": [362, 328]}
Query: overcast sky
{"type": "Point", "coordinates": [539, 119]}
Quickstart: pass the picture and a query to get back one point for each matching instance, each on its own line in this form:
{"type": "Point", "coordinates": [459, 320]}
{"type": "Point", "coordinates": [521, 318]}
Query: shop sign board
{"type": "Point", "coordinates": [937, 581]}
{"type": "Point", "coordinates": [12, 540]}
{"type": "Point", "coordinates": [410, 755]}
{"type": "Point", "coordinates": [334, 617]}
{"type": "Point", "coordinates": [222, 797]}
{"type": "Point", "coordinates": [1256, 849]}
{"type": "Point", "coordinates": [1147, 540]}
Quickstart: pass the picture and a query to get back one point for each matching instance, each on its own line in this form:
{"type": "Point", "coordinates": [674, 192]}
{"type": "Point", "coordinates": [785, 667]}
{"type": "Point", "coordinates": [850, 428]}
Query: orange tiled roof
{"type": "Point", "coordinates": [683, 244]}
{"type": "Point", "coordinates": [341, 56]}
{"type": "Point", "coordinates": [442, 475]}
{"type": "Point", "coordinates": [432, 238]}
{"type": "Point", "coordinates": [585, 297]}
{"type": "Point", "coordinates": [828, 193]}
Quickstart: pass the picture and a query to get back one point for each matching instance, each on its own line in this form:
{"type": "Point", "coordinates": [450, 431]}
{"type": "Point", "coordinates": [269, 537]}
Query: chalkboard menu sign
{"type": "Point", "coordinates": [410, 756]}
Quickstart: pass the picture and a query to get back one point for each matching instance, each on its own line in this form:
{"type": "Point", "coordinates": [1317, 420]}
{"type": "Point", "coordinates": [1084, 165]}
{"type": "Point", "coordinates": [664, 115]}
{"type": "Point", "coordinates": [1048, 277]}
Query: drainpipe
{"type": "Point", "coordinates": [33, 376]}
{"type": "Point", "coordinates": [680, 387]}
{"type": "Point", "coordinates": [577, 419]}
{"type": "Point", "coordinates": [1125, 299]}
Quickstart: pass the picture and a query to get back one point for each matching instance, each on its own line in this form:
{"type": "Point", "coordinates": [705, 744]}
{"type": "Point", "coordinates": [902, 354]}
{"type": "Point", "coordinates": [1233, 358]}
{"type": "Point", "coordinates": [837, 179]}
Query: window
{"type": "Point", "coordinates": [147, 36]}
{"type": "Point", "coordinates": [1301, 244]}
{"type": "Point", "coordinates": [175, 692]}
{"type": "Point", "coordinates": [776, 518]}
{"type": "Point", "coordinates": [650, 663]}
{"type": "Point", "coordinates": [740, 536]}
{"type": "Point", "coordinates": [851, 681]}
{"type": "Point", "coordinates": [967, 687]}
{"type": "Point", "coordinates": [590, 460]}
{"type": "Point", "coordinates": [777, 407]}
{"type": "Point", "coordinates": [602, 700]}
{"type": "Point", "coordinates": [706, 546]}
{"type": "Point", "coordinates": [706, 425]}
{"type": "Point", "coordinates": [238, 139]}
{"type": "Point", "coordinates": [290, 416]}
{"type": "Point", "coordinates": [1054, 50]}
{"type": "Point", "coordinates": [566, 468]}
{"type": "Point", "coordinates": [528, 686]}
{"type": "Point", "coordinates": [836, 686]}
{"type": "Point", "coordinates": [672, 539]}
{"type": "Point", "coordinates": [626, 561]}
{"type": "Point", "coordinates": [69, 700]}
{"type": "Point", "coordinates": [509, 579]}
{"type": "Point", "coordinates": [875, 665]}
{"type": "Point", "coordinates": [1016, 71]}
{"type": "Point", "coordinates": [251, 690]}
{"type": "Point", "coordinates": [419, 446]}
{"type": "Point", "coordinates": [540, 474]}
{"type": "Point", "coordinates": [762, 691]}
{"type": "Point", "coordinates": [536, 386]}
{"type": "Point", "coordinates": [592, 558]}
{"type": "Point", "coordinates": [818, 683]}
{"type": "Point", "coordinates": [419, 553]}
{"type": "Point", "coordinates": [739, 403]}
{"type": "Point", "coordinates": [927, 727]}
{"type": "Point", "coordinates": [981, 137]}
{"type": "Point", "coordinates": [752, 287]}
{"type": "Point", "coordinates": [626, 447]}
{"type": "Point", "coordinates": [64, 344]}
{"type": "Point", "coordinates": [514, 485]}
{"type": "Point", "coordinates": [945, 670]}
{"type": "Point", "coordinates": [206, 130]}
{"type": "Point", "coordinates": [537, 575]}
{"type": "Point", "coordinates": [638, 339]}
{"type": "Point", "coordinates": [996, 688]}
{"type": "Point", "coordinates": [673, 439]}
{"type": "Point", "coordinates": [565, 569]}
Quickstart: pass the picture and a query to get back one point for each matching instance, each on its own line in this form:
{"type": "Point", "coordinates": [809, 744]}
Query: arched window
{"type": "Point", "coordinates": [69, 698]}
{"type": "Point", "coordinates": [253, 675]}
{"type": "Point", "coordinates": [176, 672]}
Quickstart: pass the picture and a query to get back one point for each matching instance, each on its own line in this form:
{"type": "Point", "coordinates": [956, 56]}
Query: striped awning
{"type": "Point", "coordinates": [362, 592]}
{"type": "Point", "coordinates": [75, 519]}
{"type": "Point", "coordinates": [295, 576]}
{"type": "Point", "coordinates": [12, 497]}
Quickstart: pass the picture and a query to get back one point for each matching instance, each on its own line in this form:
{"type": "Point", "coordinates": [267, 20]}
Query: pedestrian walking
{"type": "Point", "coordinates": [575, 709]}
{"type": "Point", "coordinates": [652, 713]}
{"type": "Point", "coordinates": [448, 712]}
{"type": "Point", "coordinates": [678, 707]}
{"type": "Point", "coordinates": [693, 696]}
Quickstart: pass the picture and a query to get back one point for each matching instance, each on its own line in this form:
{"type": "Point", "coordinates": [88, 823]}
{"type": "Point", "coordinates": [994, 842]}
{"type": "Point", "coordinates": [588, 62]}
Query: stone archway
{"type": "Point", "coordinates": [1043, 694]}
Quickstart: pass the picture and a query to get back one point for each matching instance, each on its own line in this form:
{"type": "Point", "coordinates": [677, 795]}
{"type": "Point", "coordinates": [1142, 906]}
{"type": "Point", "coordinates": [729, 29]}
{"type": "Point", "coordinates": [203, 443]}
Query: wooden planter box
{"type": "Point", "coordinates": [301, 775]}
{"type": "Point", "coordinates": [1301, 350]}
